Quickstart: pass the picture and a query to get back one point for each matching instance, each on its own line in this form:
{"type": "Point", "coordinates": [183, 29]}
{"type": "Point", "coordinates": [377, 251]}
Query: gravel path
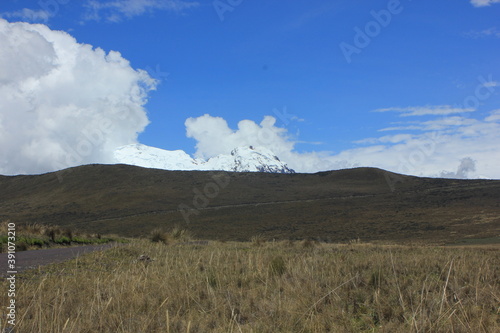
{"type": "Point", "coordinates": [34, 258]}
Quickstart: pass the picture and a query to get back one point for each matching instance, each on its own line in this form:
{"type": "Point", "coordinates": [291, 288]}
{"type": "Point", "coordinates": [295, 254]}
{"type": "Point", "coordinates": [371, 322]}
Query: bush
{"type": "Point", "coordinates": [277, 266]}
{"type": "Point", "coordinates": [62, 240]}
{"type": "Point", "coordinates": [308, 243]}
{"type": "Point", "coordinates": [52, 232]}
{"type": "Point", "coordinates": [257, 240]}
{"type": "Point", "coordinates": [180, 234]}
{"type": "Point", "coordinates": [38, 242]}
{"type": "Point", "coordinates": [21, 246]}
{"type": "Point", "coordinates": [81, 240]}
{"type": "Point", "coordinates": [68, 233]}
{"type": "Point", "coordinates": [158, 235]}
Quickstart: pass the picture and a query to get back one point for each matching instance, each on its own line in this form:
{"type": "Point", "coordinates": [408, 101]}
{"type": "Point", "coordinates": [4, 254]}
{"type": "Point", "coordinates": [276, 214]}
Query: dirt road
{"type": "Point", "coordinates": [34, 258]}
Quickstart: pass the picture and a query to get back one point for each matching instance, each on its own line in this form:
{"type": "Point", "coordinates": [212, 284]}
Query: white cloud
{"type": "Point", "coordinates": [426, 110]}
{"type": "Point", "coordinates": [483, 3]}
{"type": "Point", "coordinates": [214, 136]}
{"type": "Point", "coordinates": [491, 84]}
{"type": "Point", "coordinates": [494, 116]}
{"type": "Point", "coordinates": [28, 15]}
{"type": "Point", "coordinates": [490, 32]}
{"type": "Point", "coordinates": [466, 166]}
{"type": "Point", "coordinates": [438, 150]}
{"type": "Point", "coordinates": [117, 10]}
{"type": "Point", "coordinates": [62, 103]}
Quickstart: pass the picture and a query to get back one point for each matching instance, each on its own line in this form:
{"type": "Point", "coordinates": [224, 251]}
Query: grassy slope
{"type": "Point", "coordinates": [274, 287]}
{"type": "Point", "coordinates": [337, 206]}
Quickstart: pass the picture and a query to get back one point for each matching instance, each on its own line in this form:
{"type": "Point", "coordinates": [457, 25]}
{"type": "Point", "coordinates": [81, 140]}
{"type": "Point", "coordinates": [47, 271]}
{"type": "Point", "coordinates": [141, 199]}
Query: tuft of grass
{"type": "Point", "coordinates": [308, 243]}
{"type": "Point", "coordinates": [180, 234]}
{"type": "Point", "coordinates": [257, 240]}
{"type": "Point", "coordinates": [277, 266]}
{"type": "Point", "coordinates": [159, 235]}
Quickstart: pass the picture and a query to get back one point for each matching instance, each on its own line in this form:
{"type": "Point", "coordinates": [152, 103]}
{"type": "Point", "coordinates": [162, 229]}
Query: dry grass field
{"type": "Point", "coordinates": [399, 278]}
{"type": "Point", "coordinates": [259, 286]}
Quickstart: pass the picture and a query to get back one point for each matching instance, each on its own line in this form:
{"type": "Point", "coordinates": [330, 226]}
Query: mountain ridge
{"type": "Point", "coordinates": [339, 205]}
{"type": "Point", "coordinates": [241, 159]}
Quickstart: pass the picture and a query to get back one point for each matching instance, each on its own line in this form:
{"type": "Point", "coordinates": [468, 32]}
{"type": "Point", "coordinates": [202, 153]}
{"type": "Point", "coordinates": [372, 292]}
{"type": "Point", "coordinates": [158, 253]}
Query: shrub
{"type": "Point", "coordinates": [38, 242]}
{"type": "Point", "coordinates": [52, 232]}
{"type": "Point", "coordinates": [62, 240]}
{"type": "Point", "coordinates": [158, 235]}
{"type": "Point", "coordinates": [21, 246]}
{"type": "Point", "coordinates": [178, 233]}
{"type": "Point", "coordinates": [277, 266]}
{"type": "Point", "coordinates": [308, 243]}
{"type": "Point", "coordinates": [68, 233]}
{"type": "Point", "coordinates": [257, 240]}
{"type": "Point", "coordinates": [81, 240]}
{"type": "Point", "coordinates": [4, 239]}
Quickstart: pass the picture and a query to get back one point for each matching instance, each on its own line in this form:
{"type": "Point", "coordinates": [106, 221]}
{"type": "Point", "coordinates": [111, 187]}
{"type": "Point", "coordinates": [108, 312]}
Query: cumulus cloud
{"type": "Point", "coordinates": [117, 10]}
{"type": "Point", "coordinates": [483, 3]}
{"type": "Point", "coordinates": [435, 150]}
{"type": "Point", "coordinates": [63, 103]}
{"type": "Point", "coordinates": [214, 136]}
{"type": "Point", "coordinates": [466, 165]}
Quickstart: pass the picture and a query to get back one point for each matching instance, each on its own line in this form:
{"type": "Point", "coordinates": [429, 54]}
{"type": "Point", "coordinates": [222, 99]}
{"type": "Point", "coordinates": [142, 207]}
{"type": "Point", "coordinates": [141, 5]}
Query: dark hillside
{"type": "Point", "coordinates": [368, 203]}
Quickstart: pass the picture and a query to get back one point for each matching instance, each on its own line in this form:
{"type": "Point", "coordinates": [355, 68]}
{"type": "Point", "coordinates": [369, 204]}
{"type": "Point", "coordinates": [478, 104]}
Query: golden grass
{"type": "Point", "coordinates": [273, 287]}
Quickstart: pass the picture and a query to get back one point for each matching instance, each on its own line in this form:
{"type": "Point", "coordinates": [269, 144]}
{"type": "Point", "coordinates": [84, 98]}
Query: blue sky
{"type": "Point", "coordinates": [422, 63]}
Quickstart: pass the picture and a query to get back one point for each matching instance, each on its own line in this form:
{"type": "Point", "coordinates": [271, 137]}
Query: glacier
{"type": "Point", "coordinates": [241, 159]}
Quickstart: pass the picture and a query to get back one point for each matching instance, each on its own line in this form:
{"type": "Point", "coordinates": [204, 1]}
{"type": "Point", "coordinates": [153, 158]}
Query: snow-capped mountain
{"type": "Point", "coordinates": [241, 159]}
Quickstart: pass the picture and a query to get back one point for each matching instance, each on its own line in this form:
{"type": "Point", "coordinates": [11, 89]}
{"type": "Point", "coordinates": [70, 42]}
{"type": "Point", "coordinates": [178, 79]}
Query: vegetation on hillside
{"type": "Point", "coordinates": [35, 236]}
{"type": "Point", "coordinates": [336, 206]}
{"type": "Point", "coordinates": [263, 286]}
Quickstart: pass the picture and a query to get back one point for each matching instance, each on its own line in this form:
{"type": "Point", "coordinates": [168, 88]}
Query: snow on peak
{"type": "Point", "coordinates": [241, 159]}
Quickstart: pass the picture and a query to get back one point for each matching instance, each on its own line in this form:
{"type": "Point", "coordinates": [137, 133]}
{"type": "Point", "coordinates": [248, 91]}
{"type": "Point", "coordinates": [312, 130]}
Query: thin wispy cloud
{"type": "Point", "coordinates": [439, 148]}
{"type": "Point", "coordinates": [310, 16]}
{"type": "Point", "coordinates": [483, 3]}
{"type": "Point", "coordinates": [449, 143]}
{"type": "Point", "coordinates": [28, 15]}
{"type": "Point", "coordinates": [436, 110]}
{"type": "Point", "coordinates": [494, 116]}
{"type": "Point", "coordinates": [116, 10]}
{"type": "Point", "coordinates": [485, 33]}
{"type": "Point", "coordinates": [491, 84]}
